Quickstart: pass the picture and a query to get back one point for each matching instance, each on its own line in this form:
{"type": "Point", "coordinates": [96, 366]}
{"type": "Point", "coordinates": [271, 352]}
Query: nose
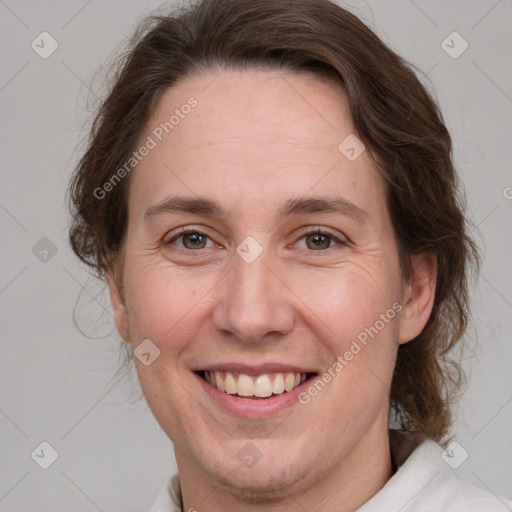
{"type": "Point", "coordinates": [255, 304]}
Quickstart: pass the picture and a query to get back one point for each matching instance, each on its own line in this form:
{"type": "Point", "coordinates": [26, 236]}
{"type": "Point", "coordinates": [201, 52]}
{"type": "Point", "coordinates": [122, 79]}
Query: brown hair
{"type": "Point", "coordinates": [394, 115]}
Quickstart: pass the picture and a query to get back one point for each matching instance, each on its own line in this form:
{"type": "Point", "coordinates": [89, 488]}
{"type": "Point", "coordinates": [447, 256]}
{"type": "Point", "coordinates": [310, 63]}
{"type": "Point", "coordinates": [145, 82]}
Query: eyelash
{"type": "Point", "coordinates": [316, 231]}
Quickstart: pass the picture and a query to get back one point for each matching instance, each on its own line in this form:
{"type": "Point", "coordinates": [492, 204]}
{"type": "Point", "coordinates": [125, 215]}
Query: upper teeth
{"type": "Point", "coordinates": [261, 386]}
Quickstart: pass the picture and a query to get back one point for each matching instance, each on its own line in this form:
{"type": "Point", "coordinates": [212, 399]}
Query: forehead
{"type": "Point", "coordinates": [258, 106]}
{"type": "Point", "coordinates": [252, 134]}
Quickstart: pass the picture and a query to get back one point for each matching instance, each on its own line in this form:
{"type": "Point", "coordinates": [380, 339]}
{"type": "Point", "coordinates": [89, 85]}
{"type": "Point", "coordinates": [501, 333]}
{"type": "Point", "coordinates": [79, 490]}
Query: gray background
{"type": "Point", "coordinates": [56, 384]}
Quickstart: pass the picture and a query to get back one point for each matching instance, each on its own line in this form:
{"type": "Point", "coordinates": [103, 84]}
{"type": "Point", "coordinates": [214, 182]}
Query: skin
{"type": "Point", "coordinates": [256, 139]}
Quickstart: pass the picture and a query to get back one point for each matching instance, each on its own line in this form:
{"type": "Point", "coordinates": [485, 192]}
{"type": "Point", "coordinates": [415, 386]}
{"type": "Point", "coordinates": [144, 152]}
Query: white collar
{"type": "Point", "coordinates": [422, 483]}
{"type": "Point", "coordinates": [426, 482]}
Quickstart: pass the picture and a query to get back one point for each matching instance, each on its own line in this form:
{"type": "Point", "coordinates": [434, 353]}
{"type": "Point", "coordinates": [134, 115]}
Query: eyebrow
{"type": "Point", "coordinates": [296, 206]}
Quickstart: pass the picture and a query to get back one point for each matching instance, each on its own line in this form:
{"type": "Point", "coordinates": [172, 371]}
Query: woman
{"type": "Point", "coordinates": [270, 194]}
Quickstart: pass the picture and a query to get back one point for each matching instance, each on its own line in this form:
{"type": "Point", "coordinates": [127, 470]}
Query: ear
{"type": "Point", "coordinates": [418, 297]}
{"type": "Point", "coordinates": [115, 284]}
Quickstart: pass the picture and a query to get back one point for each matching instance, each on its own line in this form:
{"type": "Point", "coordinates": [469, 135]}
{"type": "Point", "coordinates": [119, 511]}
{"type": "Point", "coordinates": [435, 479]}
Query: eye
{"type": "Point", "coordinates": [320, 240]}
{"type": "Point", "coordinates": [192, 239]}
{"type": "Point", "coordinates": [316, 240]}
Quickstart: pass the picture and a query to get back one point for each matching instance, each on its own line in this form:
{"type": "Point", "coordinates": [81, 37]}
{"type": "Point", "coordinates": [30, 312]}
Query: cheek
{"type": "Point", "coordinates": [355, 315]}
{"type": "Point", "coordinates": [161, 300]}
{"type": "Point", "coordinates": [349, 299]}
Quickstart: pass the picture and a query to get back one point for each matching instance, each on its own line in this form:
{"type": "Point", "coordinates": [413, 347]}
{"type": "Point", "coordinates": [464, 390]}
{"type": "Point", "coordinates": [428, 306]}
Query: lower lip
{"type": "Point", "coordinates": [254, 408]}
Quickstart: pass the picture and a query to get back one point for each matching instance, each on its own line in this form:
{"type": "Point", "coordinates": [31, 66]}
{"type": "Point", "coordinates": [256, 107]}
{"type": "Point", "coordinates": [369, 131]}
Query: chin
{"type": "Point", "coordinates": [263, 484]}
{"type": "Point", "coordinates": [271, 479]}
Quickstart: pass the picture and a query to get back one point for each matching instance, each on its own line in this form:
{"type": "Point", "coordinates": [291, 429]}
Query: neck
{"type": "Point", "coordinates": [358, 477]}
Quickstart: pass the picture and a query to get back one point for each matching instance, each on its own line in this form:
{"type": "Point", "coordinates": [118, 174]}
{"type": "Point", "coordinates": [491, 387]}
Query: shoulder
{"type": "Point", "coordinates": [426, 483]}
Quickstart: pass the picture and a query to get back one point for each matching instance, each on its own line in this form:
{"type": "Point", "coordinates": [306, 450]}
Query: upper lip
{"type": "Point", "coordinates": [254, 369]}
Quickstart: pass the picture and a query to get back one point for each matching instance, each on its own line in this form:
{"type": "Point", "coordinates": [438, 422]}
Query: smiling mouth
{"type": "Point", "coordinates": [255, 387]}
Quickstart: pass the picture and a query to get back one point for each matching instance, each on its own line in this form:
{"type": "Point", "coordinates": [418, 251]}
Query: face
{"type": "Point", "coordinates": [288, 267]}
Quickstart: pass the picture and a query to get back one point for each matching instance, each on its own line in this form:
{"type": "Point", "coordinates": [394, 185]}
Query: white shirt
{"type": "Point", "coordinates": [423, 483]}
